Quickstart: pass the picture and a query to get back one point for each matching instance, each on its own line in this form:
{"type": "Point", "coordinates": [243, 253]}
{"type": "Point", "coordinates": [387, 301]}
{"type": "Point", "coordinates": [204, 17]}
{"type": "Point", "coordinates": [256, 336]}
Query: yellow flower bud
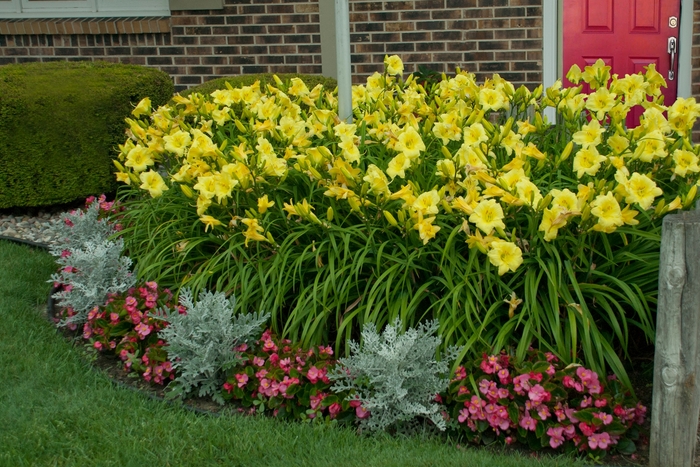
{"type": "Point", "coordinates": [659, 211]}
{"type": "Point", "coordinates": [118, 165]}
{"type": "Point", "coordinates": [567, 151]}
{"type": "Point", "coordinates": [354, 204]}
{"type": "Point", "coordinates": [187, 191]}
{"type": "Point", "coordinates": [240, 126]}
{"type": "Point", "coordinates": [329, 214]}
{"type": "Point", "coordinates": [446, 152]}
{"type": "Point", "coordinates": [690, 197]}
{"type": "Point", "coordinates": [277, 80]}
{"type": "Point", "coordinates": [390, 218]}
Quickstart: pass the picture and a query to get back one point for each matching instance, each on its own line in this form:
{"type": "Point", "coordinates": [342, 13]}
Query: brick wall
{"type": "Point", "coordinates": [254, 36]}
{"type": "Point", "coordinates": [481, 36]}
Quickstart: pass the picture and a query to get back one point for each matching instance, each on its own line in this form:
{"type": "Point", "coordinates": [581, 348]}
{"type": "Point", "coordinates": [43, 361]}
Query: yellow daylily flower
{"type": "Point", "coordinates": [506, 256]}
{"type": "Point", "coordinates": [153, 182]}
{"type": "Point", "coordinates": [488, 215]}
{"type": "Point", "coordinates": [209, 221]}
{"type": "Point", "coordinates": [264, 204]}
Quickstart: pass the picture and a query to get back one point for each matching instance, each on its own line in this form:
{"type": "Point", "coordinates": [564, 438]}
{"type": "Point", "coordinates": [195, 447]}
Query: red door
{"type": "Point", "coordinates": [627, 35]}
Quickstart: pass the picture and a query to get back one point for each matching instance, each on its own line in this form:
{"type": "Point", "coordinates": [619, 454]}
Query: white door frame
{"type": "Point", "coordinates": [552, 45]}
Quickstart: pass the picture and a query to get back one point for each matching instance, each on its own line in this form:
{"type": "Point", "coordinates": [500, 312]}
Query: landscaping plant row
{"type": "Point", "coordinates": [391, 381]}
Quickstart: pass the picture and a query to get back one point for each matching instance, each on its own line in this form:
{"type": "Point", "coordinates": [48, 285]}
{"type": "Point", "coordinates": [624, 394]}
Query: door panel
{"type": "Point", "coordinates": [626, 34]}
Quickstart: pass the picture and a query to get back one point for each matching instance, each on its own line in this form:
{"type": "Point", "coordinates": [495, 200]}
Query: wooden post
{"type": "Point", "coordinates": [676, 399]}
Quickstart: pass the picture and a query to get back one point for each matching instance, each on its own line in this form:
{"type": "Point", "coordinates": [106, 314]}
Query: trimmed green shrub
{"type": "Point", "coordinates": [61, 123]}
{"type": "Point", "coordinates": [265, 78]}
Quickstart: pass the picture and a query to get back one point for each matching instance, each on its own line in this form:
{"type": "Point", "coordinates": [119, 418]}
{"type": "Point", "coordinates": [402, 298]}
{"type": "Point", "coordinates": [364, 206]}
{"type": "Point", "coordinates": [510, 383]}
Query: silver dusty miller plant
{"type": "Point", "coordinates": [80, 227]}
{"type": "Point", "coordinates": [91, 273]}
{"type": "Point", "coordinates": [92, 265]}
{"type": "Point", "coordinates": [202, 343]}
{"type": "Point", "coordinates": [396, 375]}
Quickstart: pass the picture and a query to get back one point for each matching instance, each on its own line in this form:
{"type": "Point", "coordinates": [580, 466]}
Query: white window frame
{"type": "Point", "coordinates": [18, 9]}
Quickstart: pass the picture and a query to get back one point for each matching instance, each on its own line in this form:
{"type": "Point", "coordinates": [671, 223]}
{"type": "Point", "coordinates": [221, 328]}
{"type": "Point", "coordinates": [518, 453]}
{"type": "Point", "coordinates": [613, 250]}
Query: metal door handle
{"type": "Point", "coordinates": [672, 49]}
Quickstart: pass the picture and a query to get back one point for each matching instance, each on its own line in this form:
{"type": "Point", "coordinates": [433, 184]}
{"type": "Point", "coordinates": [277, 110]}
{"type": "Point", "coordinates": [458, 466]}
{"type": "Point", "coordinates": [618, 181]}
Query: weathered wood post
{"type": "Point", "coordinates": [676, 399]}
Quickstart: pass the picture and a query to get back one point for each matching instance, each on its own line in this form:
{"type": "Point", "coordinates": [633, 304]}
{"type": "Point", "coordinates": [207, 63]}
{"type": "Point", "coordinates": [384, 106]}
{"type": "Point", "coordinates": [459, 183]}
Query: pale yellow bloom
{"type": "Point", "coordinates": [686, 161]}
{"type": "Point", "coordinates": [528, 192]}
{"type": "Point", "coordinates": [209, 221]}
{"type": "Point", "coordinates": [475, 134]}
{"type": "Point", "coordinates": [426, 229]}
{"type": "Point", "coordinates": [565, 199]}
{"type": "Point", "coordinates": [142, 108]}
{"type": "Point", "coordinates": [298, 88]}
{"type": "Point", "coordinates": [253, 232]}
{"type": "Point", "coordinates": [552, 220]}
{"type": "Point", "coordinates": [139, 158]}
{"type": "Point", "coordinates": [607, 210]}
{"type": "Point", "coordinates": [393, 64]}
{"type": "Point", "coordinates": [651, 146]}
{"type": "Point", "coordinates": [177, 142]}
{"type": "Point", "coordinates": [587, 161]}
{"type": "Point", "coordinates": [351, 152]}
{"type": "Point", "coordinates": [426, 203]}
{"type": "Point", "coordinates": [600, 102]}
{"type": "Point", "coordinates": [264, 204]}
{"type": "Point", "coordinates": [506, 256]}
{"type": "Point", "coordinates": [398, 166]}
{"type": "Point", "coordinates": [378, 183]}
{"type": "Point", "coordinates": [491, 99]}
{"type": "Point", "coordinates": [574, 74]}
{"type": "Point", "coordinates": [488, 215]}
{"type": "Point", "coordinates": [642, 190]}
{"type": "Point", "coordinates": [410, 143]}
{"type": "Point", "coordinates": [589, 135]}
{"type": "Point", "coordinates": [123, 177]}
{"type": "Point", "coordinates": [447, 132]}
{"type": "Point", "coordinates": [206, 186]}
{"type": "Point", "coordinates": [153, 182]}
{"type": "Point", "coordinates": [618, 144]}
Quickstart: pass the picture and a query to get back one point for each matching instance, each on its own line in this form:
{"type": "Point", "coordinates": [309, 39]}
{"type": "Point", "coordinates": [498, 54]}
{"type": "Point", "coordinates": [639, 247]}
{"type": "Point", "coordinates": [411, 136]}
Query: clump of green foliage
{"type": "Point", "coordinates": [60, 124]}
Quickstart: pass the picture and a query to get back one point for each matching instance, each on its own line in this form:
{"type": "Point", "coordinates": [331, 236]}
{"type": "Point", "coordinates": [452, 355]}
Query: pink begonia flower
{"type": "Point", "coordinates": [69, 269]}
{"type": "Point", "coordinates": [601, 403]}
{"type": "Point", "coordinates": [489, 365]}
{"type": "Point", "coordinates": [460, 374]}
{"type": "Point", "coordinates": [334, 409]}
{"type": "Point", "coordinates": [538, 394]}
{"type": "Point", "coordinates": [316, 400]}
{"type": "Point", "coordinates": [97, 345]}
{"type": "Point", "coordinates": [65, 254]}
{"type": "Point", "coordinates": [586, 429]}
{"type": "Point", "coordinates": [551, 357]}
{"type": "Point", "coordinates": [242, 379]}
{"type": "Point", "coordinates": [543, 412]}
{"type": "Point", "coordinates": [112, 345]}
{"type": "Point", "coordinates": [143, 330]}
{"type": "Point", "coordinates": [325, 350]}
{"type": "Point", "coordinates": [300, 361]}
{"type": "Point", "coordinates": [475, 406]}
{"type": "Point", "coordinates": [556, 436]}
{"type": "Point", "coordinates": [152, 285]}
{"type": "Point", "coordinates": [114, 318]}
{"type": "Point", "coordinates": [463, 415]}
{"type": "Point", "coordinates": [261, 374]}
{"type": "Point", "coordinates": [599, 441]}
{"type": "Point", "coordinates": [504, 376]}
{"type": "Point", "coordinates": [586, 402]}
{"type": "Point", "coordinates": [570, 431]}
{"type": "Point", "coordinates": [550, 370]}
{"type": "Point", "coordinates": [274, 359]}
{"type": "Point", "coordinates": [606, 418]}
{"type": "Point", "coordinates": [362, 413]}
{"type": "Point", "coordinates": [92, 314]}
{"type": "Point", "coordinates": [286, 364]}
{"type": "Point", "coordinates": [257, 361]}
{"type": "Point", "coordinates": [68, 222]}
{"type": "Point", "coordinates": [269, 346]}
{"type": "Point", "coordinates": [521, 384]}
{"type": "Point", "coordinates": [87, 331]}
{"type": "Point", "coordinates": [509, 440]}
{"type": "Point", "coordinates": [528, 423]}
{"type": "Point", "coordinates": [640, 412]}
{"type": "Point", "coordinates": [503, 393]}
{"type": "Point", "coordinates": [462, 390]}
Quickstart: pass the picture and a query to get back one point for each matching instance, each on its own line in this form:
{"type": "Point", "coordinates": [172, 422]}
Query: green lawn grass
{"type": "Point", "coordinates": [56, 410]}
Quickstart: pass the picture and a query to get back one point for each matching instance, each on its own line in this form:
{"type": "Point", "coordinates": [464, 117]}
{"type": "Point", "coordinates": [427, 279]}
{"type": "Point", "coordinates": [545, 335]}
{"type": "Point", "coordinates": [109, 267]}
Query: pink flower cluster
{"type": "Point", "coordinates": [127, 325]}
{"type": "Point", "coordinates": [543, 400]}
{"type": "Point", "coordinates": [291, 381]}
